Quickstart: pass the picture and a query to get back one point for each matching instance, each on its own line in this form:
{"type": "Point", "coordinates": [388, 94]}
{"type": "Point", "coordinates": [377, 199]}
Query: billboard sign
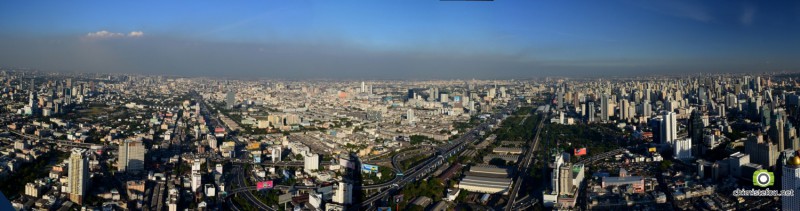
{"type": "Point", "coordinates": [580, 152]}
{"type": "Point", "coordinates": [264, 185]}
{"type": "Point", "coordinates": [367, 168]}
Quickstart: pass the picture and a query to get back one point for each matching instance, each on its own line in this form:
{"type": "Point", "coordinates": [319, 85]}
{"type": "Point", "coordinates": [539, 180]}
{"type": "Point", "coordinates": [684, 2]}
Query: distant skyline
{"type": "Point", "coordinates": [418, 39]}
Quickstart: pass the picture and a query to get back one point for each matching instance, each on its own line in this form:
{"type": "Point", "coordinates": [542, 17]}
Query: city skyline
{"type": "Point", "coordinates": [401, 40]}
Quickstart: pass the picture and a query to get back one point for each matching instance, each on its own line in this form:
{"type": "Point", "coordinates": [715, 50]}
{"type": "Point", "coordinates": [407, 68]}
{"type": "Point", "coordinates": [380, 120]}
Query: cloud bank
{"type": "Point", "coordinates": [103, 34]}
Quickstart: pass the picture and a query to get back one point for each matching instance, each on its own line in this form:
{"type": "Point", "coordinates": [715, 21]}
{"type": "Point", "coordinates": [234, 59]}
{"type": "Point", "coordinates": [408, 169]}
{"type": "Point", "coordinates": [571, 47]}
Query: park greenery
{"type": "Point", "coordinates": [432, 188]}
{"type": "Point", "coordinates": [418, 139]}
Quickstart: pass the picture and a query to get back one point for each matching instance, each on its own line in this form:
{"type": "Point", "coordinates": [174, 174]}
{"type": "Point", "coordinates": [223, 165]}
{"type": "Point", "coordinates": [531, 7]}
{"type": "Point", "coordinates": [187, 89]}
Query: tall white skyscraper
{"type": "Point", "coordinates": [669, 127]}
{"type": "Point", "coordinates": [131, 156]}
{"type": "Point", "coordinates": [196, 181]}
{"type": "Point", "coordinates": [791, 181]}
{"type": "Point", "coordinates": [682, 148]}
{"type": "Point", "coordinates": [410, 115]}
{"type": "Point", "coordinates": [311, 162]}
{"type": "Point", "coordinates": [343, 194]}
{"type": "Point", "coordinates": [78, 175]}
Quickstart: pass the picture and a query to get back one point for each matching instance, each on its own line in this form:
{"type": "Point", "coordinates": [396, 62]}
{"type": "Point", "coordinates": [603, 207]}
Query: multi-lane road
{"type": "Point", "coordinates": [429, 165]}
{"type": "Point", "coordinates": [523, 168]}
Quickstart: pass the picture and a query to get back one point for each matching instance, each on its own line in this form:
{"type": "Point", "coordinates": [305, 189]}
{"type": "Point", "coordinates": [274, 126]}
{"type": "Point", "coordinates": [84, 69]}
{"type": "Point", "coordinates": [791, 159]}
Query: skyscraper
{"type": "Point", "coordinates": [791, 181]}
{"type": "Point", "coordinates": [33, 101]}
{"type": "Point", "coordinates": [197, 181]}
{"type": "Point", "coordinates": [647, 110]}
{"type": "Point", "coordinates": [344, 193]}
{"type": "Point", "coordinates": [310, 162]}
{"type": "Point", "coordinates": [683, 148]}
{"type": "Point", "coordinates": [410, 115]}
{"type": "Point", "coordinates": [761, 152]}
{"type": "Point", "coordinates": [604, 108]}
{"type": "Point", "coordinates": [78, 175]}
{"type": "Point", "coordinates": [669, 130]}
{"type": "Point", "coordinates": [565, 179]}
{"type": "Point", "coordinates": [131, 156]}
{"type": "Point", "coordinates": [230, 99]}
{"type": "Point", "coordinates": [696, 128]}
{"type": "Point", "coordinates": [776, 131]}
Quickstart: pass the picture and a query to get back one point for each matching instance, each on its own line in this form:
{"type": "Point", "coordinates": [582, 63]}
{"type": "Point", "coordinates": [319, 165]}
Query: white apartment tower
{"type": "Point", "coordinates": [276, 154]}
{"type": "Point", "coordinates": [343, 194]}
{"type": "Point", "coordinates": [78, 175]}
{"type": "Point", "coordinates": [683, 148]}
{"type": "Point", "coordinates": [311, 162]}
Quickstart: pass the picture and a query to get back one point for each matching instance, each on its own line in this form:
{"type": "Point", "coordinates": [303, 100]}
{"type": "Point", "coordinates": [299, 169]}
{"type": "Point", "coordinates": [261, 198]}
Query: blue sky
{"type": "Point", "coordinates": [401, 39]}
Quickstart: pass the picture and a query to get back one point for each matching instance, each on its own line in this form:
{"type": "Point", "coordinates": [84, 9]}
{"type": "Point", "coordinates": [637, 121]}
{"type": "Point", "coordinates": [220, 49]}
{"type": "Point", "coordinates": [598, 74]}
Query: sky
{"type": "Point", "coordinates": [409, 39]}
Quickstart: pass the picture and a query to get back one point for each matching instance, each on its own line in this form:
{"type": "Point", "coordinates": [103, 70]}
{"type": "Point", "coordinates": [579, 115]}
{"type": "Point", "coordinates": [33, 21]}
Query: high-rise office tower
{"type": "Point", "coordinates": [67, 96]}
{"type": "Point", "coordinates": [761, 152]}
{"type": "Point", "coordinates": [776, 131]}
{"type": "Point", "coordinates": [411, 94]}
{"type": "Point", "coordinates": [33, 100]}
{"type": "Point", "coordinates": [590, 112]}
{"type": "Point", "coordinates": [78, 177]}
{"type": "Point", "coordinates": [790, 136]}
{"type": "Point", "coordinates": [696, 128]}
{"type": "Point", "coordinates": [230, 99]}
{"type": "Point", "coordinates": [669, 127]}
{"type": "Point", "coordinates": [131, 156]}
{"type": "Point", "coordinates": [791, 181]}
{"type": "Point", "coordinates": [604, 108]}
{"type": "Point", "coordinates": [624, 110]}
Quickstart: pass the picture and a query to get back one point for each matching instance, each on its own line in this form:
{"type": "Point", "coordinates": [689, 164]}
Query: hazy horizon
{"type": "Point", "coordinates": [402, 40]}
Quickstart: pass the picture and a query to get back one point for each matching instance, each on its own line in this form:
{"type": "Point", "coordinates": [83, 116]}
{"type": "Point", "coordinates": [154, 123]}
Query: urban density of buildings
{"type": "Point", "coordinates": [448, 105]}
{"type": "Point", "coordinates": [132, 142]}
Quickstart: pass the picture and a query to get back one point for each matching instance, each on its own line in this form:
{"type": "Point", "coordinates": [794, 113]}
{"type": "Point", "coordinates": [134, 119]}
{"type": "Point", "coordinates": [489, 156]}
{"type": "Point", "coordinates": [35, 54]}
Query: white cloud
{"type": "Point", "coordinates": [136, 34]}
{"type": "Point", "coordinates": [103, 34]}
